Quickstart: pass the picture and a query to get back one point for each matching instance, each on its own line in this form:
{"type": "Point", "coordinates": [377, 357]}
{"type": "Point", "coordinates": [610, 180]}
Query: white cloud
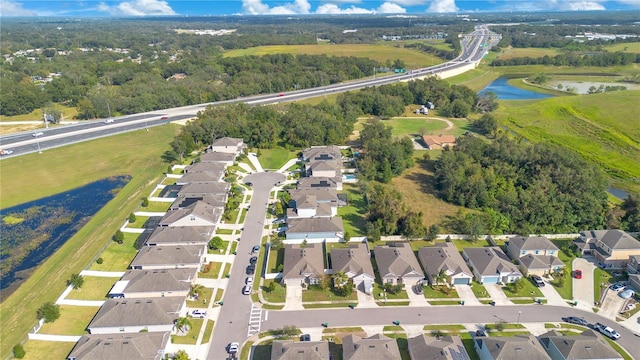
{"type": "Point", "coordinates": [138, 8]}
{"type": "Point", "coordinates": [256, 7]}
{"type": "Point", "coordinates": [333, 9]}
{"type": "Point", "coordinates": [558, 5]}
{"type": "Point", "coordinates": [12, 8]}
{"type": "Point", "coordinates": [635, 3]}
{"type": "Point", "coordinates": [410, 2]}
{"type": "Point", "coordinates": [391, 8]}
{"type": "Point", "coordinates": [582, 5]}
{"type": "Point", "coordinates": [443, 6]}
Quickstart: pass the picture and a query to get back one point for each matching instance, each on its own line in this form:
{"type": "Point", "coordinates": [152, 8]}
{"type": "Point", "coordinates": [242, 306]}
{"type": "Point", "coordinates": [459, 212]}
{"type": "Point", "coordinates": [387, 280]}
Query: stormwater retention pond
{"type": "Point", "coordinates": [31, 232]}
{"type": "Point", "coordinates": [505, 91]}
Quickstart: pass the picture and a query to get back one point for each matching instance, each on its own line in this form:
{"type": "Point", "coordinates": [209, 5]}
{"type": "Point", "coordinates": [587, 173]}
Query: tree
{"type": "Point", "coordinates": [272, 287]}
{"type": "Point", "coordinates": [132, 218]}
{"type": "Point", "coordinates": [215, 243]}
{"type": "Point", "coordinates": [432, 232]}
{"type": "Point", "coordinates": [487, 125]}
{"type": "Point", "coordinates": [145, 202]}
{"type": "Point", "coordinates": [182, 325]}
{"type": "Point", "coordinates": [347, 236]}
{"type": "Point", "coordinates": [118, 236]}
{"type": "Point", "coordinates": [181, 355]}
{"type": "Point", "coordinates": [18, 351]}
{"type": "Point", "coordinates": [373, 231]}
{"type": "Point", "coordinates": [441, 278]}
{"type": "Point", "coordinates": [195, 290]}
{"type": "Point", "coordinates": [487, 102]}
{"type": "Point", "coordinates": [76, 281]}
{"type": "Point", "coordinates": [49, 311]}
{"type": "Point", "coordinates": [412, 226]}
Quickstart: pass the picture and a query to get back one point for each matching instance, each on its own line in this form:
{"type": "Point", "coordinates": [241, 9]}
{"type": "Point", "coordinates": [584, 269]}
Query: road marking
{"type": "Point", "coordinates": [255, 317]}
{"type": "Point", "coordinates": [266, 316]}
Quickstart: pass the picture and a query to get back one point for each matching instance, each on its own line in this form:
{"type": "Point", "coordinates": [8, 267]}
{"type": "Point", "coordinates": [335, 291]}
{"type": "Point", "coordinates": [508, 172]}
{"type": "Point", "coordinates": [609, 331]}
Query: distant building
{"type": "Point", "coordinates": [611, 248]}
{"type": "Point", "coordinates": [438, 142]}
{"type": "Point", "coordinates": [437, 348]}
{"type": "Point", "coordinates": [139, 346]}
{"type": "Point", "coordinates": [300, 350]}
{"type": "Point", "coordinates": [397, 264]}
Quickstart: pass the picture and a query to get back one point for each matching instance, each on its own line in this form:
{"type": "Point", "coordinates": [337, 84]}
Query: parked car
{"type": "Point", "coordinates": [233, 347]}
{"type": "Point", "coordinates": [246, 290]}
{"type": "Point", "coordinates": [253, 260]}
{"type": "Point", "coordinates": [199, 314]}
{"type": "Point", "coordinates": [577, 274]}
{"type": "Point", "coordinates": [249, 280]}
{"type": "Point", "coordinates": [480, 332]}
{"type": "Point", "coordinates": [418, 289]}
{"type": "Point", "coordinates": [255, 249]}
{"type": "Point", "coordinates": [575, 320]}
{"type": "Point", "coordinates": [305, 337]}
{"type": "Point", "coordinates": [537, 280]}
{"type": "Point", "coordinates": [251, 269]}
{"type": "Point", "coordinates": [607, 331]}
{"type": "Point", "coordinates": [627, 294]}
{"type": "Point", "coordinates": [617, 286]}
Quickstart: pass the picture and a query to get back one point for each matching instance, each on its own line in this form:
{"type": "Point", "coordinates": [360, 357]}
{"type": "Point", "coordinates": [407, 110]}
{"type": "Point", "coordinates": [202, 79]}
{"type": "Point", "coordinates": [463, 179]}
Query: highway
{"type": "Point", "coordinates": [473, 49]}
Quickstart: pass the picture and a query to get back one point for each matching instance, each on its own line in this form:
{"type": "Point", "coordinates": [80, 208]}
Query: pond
{"type": "Point", "coordinates": [505, 91]}
{"type": "Point", "coordinates": [33, 231]}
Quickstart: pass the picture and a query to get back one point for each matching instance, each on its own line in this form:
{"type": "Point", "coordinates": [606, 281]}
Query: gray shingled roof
{"type": "Point", "coordinates": [322, 153]}
{"type": "Point", "coordinates": [158, 280]}
{"type": "Point", "coordinates": [378, 347]}
{"type": "Point", "coordinates": [200, 177]}
{"type": "Point", "coordinates": [587, 345]}
{"type": "Point", "coordinates": [299, 350]}
{"type": "Point", "coordinates": [168, 255]}
{"type": "Point", "coordinates": [518, 347]}
{"type": "Point", "coordinates": [214, 156]}
{"type": "Point", "coordinates": [354, 260]}
{"type": "Point", "coordinates": [531, 261]}
{"type": "Point", "coordinates": [318, 182]}
{"type": "Point", "coordinates": [199, 209]}
{"type": "Point", "coordinates": [617, 239]}
{"type": "Point", "coordinates": [227, 141]}
{"type": "Point", "coordinates": [203, 167]}
{"type": "Point", "coordinates": [188, 235]}
{"type": "Point", "coordinates": [315, 225]}
{"type": "Point", "coordinates": [442, 256]}
{"type": "Point", "coordinates": [532, 243]}
{"type": "Point", "coordinates": [201, 189]}
{"type": "Point", "coordinates": [218, 200]}
{"type": "Point", "coordinates": [139, 346]}
{"type": "Point", "coordinates": [321, 195]}
{"type": "Point", "coordinates": [138, 312]}
{"type": "Point", "coordinates": [437, 348]}
{"type": "Point", "coordinates": [302, 261]}
{"type": "Point", "coordinates": [398, 260]}
{"type": "Point", "coordinates": [489, 260]}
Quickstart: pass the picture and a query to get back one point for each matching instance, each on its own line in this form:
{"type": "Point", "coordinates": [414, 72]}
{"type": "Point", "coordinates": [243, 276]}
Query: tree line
{"type": "Point", "coordinates": [603, 59]}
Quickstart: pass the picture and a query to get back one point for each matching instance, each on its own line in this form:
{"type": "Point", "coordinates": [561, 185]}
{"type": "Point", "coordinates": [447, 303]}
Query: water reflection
{"type": "Point", "coordinates": [501, 87]}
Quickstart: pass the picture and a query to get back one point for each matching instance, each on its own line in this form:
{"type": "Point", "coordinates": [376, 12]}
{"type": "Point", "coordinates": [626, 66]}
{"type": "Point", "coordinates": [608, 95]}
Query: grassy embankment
{"type": "Point", "coordinates": [57, 170]}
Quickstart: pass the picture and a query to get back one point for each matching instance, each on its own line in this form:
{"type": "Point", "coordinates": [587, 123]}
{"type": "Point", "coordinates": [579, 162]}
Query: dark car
{"type": "Point", "coordinates": [575, 320]}
{"type": "Point", "coordinates": [305, 337]}
{"type": "Point", "coordinates": [251, 269]}
{"type": "Point", "coordinates": [253, 260]}
{"type": "Point", "coordinates": [537, 280]}
{"type": "Point", "coordinates": [418, 289]}
{"type": "Point", "coordinates": [164, 118]}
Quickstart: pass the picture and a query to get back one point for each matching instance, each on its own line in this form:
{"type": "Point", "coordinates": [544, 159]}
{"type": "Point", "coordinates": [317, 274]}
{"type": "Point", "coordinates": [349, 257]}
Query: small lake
{"type": "Point", "coordinates": [33, 231]}
{"type": "Point", "coordinates": [501, 87]}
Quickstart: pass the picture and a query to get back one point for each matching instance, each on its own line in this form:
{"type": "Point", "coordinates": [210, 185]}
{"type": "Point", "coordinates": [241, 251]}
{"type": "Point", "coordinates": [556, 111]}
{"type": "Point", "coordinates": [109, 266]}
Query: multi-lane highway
{"type": "Point", "coordinates": [474, 47]}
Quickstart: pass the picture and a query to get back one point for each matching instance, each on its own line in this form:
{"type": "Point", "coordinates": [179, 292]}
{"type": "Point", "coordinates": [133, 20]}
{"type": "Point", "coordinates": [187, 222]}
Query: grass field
{"type": "Point", "coordinates": [633, 47]}
{"type": "Point", "coordinates": [597, 126]}
{"type": "Point", "coordinates": [58, 170]}
{"type": "Point", "coordinates": [380, 52]}
{"type": "Point", "coordinates": [36, 115]}
{"type": "Point", "coordinates": [94, 288]}
{"type": "Point", "coordinates": [274, 159]}
{"type": "Point", "coordinates": [414, 126]}
{"type": "Point", "coordinates": [37, 350]}
{"type": "Point", "coordinates": [73, 321]}
{"type": "Point", "coordinates": [524, 52]}
{"type": "Point", "coordinates": [117, 257]}
{"type": "Point", "coordinates": [353, 215]}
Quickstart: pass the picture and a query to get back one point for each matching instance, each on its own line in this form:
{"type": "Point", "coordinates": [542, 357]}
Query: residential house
{"type": "Point", "coordinates": [202, 189]}
{"type": "Point", "coordinates": [228, 145]}
{"type": "Point", "coordinates": [196, 214]}
{"type": "Point", "coordinates": [397, 264]}
{"type": "Point", "coordinates": [490, 265]}
{"type": "Point", "coordinates": [204, 167]}
{"type": "Point", "coordinates": [445, 258]}
{"type": "Point", "coordinates": [323, 161]}
{"type": "Point", "coordinates": [324, 169]}
{"type": "Point", "coordinates": [313, 203]}
{"type": "Point", "coordinates": [633, 267]}
{"type": "Point", "coordinates": [322, 153]}
{"type": "Point", "coordinates": [536, 255]}
{"type": "Point", "coordinates": [318, 229]}
{"type": "Point", "coordinates": [586, 346]}
{"type": "Point", "coordinates": [611, 248]}
{"type": "Point", "coordinates": [136, 315]}
{"type": "Point", "coordinates": [634, 282]}
{"type": "Point", "coordinates": [216, 201]}
{"type": "Point", "coordinates": [168, 257]}
{"type": "Point", "coordinates": [180, 235]}
{"type": "Point", "coordinates": [300, 350]}
{"type": "Point", "coordinates": [355, 262]}
{"type": "Point", "coordinates": [437, 348]}
{"type": "Point", "coordinates": [518, 347]}
{"type": "Point", "coordinates": [303, 264]}
{"type": "Point", "coordinates": [377, 347]}
{"type": "Point", "coordinates": [213, 176]}
{"type": "Point", "coordinates": [153, 283]}
{"type": "Point", "coordinates": [140, 346]}
{"type": "Point", "coordinates": [319, 182]}
{"type": "Point", "coordinates": [438, 142]}
{"type": "Point", "coordinates": [218, 157]}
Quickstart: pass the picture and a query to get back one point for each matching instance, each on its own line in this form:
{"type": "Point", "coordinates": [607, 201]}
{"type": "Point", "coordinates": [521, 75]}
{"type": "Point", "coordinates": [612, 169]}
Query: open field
{"type": "Point", "coordinates": [73, 321]}
{"type": "Point", "coordinates": [415, 125]}
{"type": "Point", "coordinates": [37, 350]}
{"type": "Point", "coordinates": [354, 214]}
{"type": "Point", "coordinates": [94, 288]}
{"type": "Point", "coordinates": [633, 47]}
{"type": "Point", "coordinates": [380, 52]}
{"type": "Point", "coordinates": [36, 115]}
{"type": "Point", "coordinates": [273, 159]}
{"type": "Point", "coordinates": [57, 170]}
{"type": "Point", "coordinates": [117, 257]}
{"type": "Point", "coordinates": [597, 126]}
{"type": "Point", "coordinates": [524, 52]}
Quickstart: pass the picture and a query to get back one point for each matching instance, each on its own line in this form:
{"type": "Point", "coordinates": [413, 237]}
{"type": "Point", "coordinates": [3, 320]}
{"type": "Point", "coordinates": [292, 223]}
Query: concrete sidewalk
{"type": "Point", "coordinates": [255, 162]}
{"type": "Point", "coordinates": [496, 293]}
{"type": "Point", "coordinates": [287, 165]}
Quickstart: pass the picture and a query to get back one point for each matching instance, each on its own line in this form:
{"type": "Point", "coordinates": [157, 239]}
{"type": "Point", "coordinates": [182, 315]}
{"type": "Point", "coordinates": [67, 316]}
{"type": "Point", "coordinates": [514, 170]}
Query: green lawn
{"type": "Point", "coordinates": [212, 270]}
{"type": "Point", "coordinates": [224, 231]}
{"type": "Point", "coordinates": [136, 153]}
{"type": "Point", "coordinates": [156, 206]}
{"type": "Point", "coordinates": [207, 331]}
{"type": "Point", "coordinates": [94, 288]}
{"type": "Point", "coordinates": [221, 250]}
{"type": "Point", "coordinates": [204, 294]}
{"type": "Point", "coordinates": [37, 349]}
{"type": "Point", "coordinates": [274, 159]}
{"type": "Point", "coordinates": [439, 292]}
{"type": "Point", "coordinates": [479, 290]}
{"type": "Point", "coordinates": [449, 328]}
{"type": "Point", "coordinates": [601, 280]}
{"type": "Point", "coordinates": [117, 257]}
{"type": "Point", "coordinates": [140, 223]}
{"type": "Point", "coordinates": [565, 289]}
{"type": "Point", "coordinates": [325, 295]}
{"type": "Point", "coordinates": [353, 215]}
{"type": "Point", "coordinates": [528, 290]}
{"type": "Point", "coordinates": [414, 126]}
{"type": "Point", "coordinates": [192, 336]}
{"type": "Point", "coordinates": [461, 244]}
{"type": "Point", "coordinates": [73, 321]}
{"type": "Point", "coordinates": [275, 257]}
{"type": "Point", "coordinates": [379, 294]}
{"type": "Point", "coordinates": [277, 296]}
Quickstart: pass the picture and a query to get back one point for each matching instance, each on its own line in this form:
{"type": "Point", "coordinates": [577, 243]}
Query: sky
{"type": "Point", "coordinates": [127, 8]}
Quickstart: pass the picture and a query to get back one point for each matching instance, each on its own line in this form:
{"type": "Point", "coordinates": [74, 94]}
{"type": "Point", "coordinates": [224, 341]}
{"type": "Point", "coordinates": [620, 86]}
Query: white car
{"type": "Point", "coordinates": [246, 290]}
{"type": "Point", "coordinates": [37, 134]}
{"type": "Point", "coordinates": [249, 280]}
{"type": "Point", "coordinates": [199, 314]}
{"type": "Point", "coordinates": [607, 331]}
{"type": "Point", "coordinates": [233, 348]}
{"type": "Point", "coordinates": [108, 121]}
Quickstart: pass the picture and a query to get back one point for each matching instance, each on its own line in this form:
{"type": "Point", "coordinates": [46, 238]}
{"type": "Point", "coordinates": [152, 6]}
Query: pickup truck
{"type": "Point", "coordinates": [607, 331]}
{"type": "Point", "coordinates": [5, 152]}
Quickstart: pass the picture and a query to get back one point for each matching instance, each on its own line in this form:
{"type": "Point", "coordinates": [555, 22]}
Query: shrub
{"type": "Point", "coordinates": [280, 267]}
{"type": "Point", "coordinates": [49, 311]}
{"type": "Point", "coordinates": [132, 218]}
{"type": "Point", "coordinates": [118, 237]}
{"type": "Point", "coordinates": [145, 202]}
{"type": "Point", "coordinates": [18, 352]}
{"type": "Point", "coordinates": [99, 261]}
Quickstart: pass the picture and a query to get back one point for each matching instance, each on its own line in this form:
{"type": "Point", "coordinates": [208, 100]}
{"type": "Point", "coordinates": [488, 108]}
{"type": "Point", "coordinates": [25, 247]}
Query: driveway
{"type": "Point", "coordinates": [497, 295]}
{"type": "Point", "coordinates": [415, 299]}
{"type": "Point", "coordinates": [465, 293]}
{"type": "Point", "coordinates": [611, 305]}
{"type": "Point", "coordinates": [583, 288]}
{"type": "Point", "coordinates": [365, 301]}
{"type": "Point", "coordinates": [552, 296]}
{"type": "Point", "coordinates": [294, 297]}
